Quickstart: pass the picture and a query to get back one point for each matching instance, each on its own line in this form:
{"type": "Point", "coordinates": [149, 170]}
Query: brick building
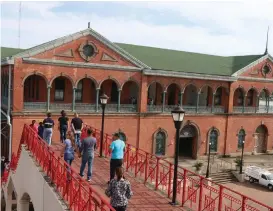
{"type": "Point", "coordinates": [226, 99]}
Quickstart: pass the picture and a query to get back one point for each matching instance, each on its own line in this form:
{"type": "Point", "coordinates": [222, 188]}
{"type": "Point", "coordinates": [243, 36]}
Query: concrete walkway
{"type": "Point", "coordinates": [144, 199]}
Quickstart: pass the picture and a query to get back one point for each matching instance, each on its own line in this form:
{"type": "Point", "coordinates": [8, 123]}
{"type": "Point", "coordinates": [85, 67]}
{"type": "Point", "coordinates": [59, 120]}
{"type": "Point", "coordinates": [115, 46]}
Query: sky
{"type": "Point", "coordinates": [218, 28]}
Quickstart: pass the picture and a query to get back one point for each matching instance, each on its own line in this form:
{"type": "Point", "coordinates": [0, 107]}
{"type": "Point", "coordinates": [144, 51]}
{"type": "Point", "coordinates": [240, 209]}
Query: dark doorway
{"type": "Point", "coordinates": [185, 147]}
{"type": "Point", "coordinates": [187, 141]}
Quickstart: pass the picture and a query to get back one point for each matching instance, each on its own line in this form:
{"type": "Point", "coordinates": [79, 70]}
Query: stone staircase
{"type": "Point", "coordinates": [223, 177]}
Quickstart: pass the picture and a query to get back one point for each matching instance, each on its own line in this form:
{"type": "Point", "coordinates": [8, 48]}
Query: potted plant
{"type": "Point", "coordinates": [198, 166]}
{"type": "Point", "coordinates": [238, 163]}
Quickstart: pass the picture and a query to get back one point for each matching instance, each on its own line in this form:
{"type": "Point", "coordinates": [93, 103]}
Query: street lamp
{"type": "Point", "coordinates": [207, 173]}
{"type": "Point", "coordinates": [103, 101]}
{"type": "Point", "coordinates": [178, 115]}
{"type": "Point", "coordinates": [242, 139]}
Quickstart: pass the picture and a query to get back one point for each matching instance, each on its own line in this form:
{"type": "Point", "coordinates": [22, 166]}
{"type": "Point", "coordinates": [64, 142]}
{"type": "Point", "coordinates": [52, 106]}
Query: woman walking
{"type": "Point", "coordinates": [119, 190]}
{"type": "Point", "coordinates": [63, 125]}
{"type": "Point", "coordinates": [48, 128]}
{"type": "Point", "coordinates": [68, 151]}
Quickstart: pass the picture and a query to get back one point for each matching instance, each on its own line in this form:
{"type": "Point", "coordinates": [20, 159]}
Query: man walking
{"type": "Point", "coordinates": [48, 128]}
{"type": "Point", "coordinates": [87, 149]}
{"type": "Point", "coordinates": [77, 126]}
{"type": "Point", "coordinates": [117, 149]}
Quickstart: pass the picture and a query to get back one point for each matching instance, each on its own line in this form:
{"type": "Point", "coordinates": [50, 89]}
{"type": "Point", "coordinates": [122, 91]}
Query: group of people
{"type": "Point", "coordinates": [119, 189]}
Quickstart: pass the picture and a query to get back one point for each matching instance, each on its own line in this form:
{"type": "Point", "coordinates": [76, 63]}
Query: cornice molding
{"type": "Point", "coordinates": [246, 78]}
{"type": "Point", "coordinates": [188, 75]}
{"type": "Point", "coordinates": [79, 64]}
{"type": "Point", "coordinates": [7, 61]}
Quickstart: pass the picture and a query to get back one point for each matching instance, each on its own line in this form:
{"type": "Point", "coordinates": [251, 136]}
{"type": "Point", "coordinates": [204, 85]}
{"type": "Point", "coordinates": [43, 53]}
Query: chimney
{"type": "Point", "coordinates": [88, 25]}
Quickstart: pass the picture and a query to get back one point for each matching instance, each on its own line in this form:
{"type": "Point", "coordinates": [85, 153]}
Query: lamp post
{"type": "Point", "coordinates": [103, 101]}
{"type": "Point", "coordinates": [207, 173]}
{"type": "Point", "coordinates": [242, 156]}
{"type": "Point", "coordinates": [178, 115]}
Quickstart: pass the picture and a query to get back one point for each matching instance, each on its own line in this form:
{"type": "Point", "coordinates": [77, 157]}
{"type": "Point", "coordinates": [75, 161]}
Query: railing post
{"type": "Point", "coordinates": [136, 162]}
{"type": "Point", "coordinates": [146, 167]}
{"type": "Point", "coordinates": [156, 173]}
{"type": "Point", "coordinates": [243, 203]}
{"type": "Point", "coordinates": [200, 195]}
{"type": "Point", "coordinates": [79, 199]}
{"type": "Point", "coordinates": [220, 197]}
{"type": "Point", "coordinates": [128, 157]}
{"type": "Point", "coordinates": [184, 187]}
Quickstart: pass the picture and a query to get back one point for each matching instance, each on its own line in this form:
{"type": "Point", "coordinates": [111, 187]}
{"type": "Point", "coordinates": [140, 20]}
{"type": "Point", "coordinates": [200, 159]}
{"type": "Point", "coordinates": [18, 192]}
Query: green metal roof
{"type": "Point", "coordinates": [7, 52]}
{"type": "Point", "coordinates": [173, 60]}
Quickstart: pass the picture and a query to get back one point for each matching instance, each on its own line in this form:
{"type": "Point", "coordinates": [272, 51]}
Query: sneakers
{"type": "Point", "coordinates": [89, 180]}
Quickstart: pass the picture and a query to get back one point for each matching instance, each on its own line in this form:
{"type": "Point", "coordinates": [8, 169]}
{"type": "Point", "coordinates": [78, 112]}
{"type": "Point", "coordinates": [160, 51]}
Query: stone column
{"type": "Point", "coordinates": [181, 99]}
{"type": "Point", "coordinates": [119, 94]}
{"type": "Point", "coordinates": [97, 99]}
{"type": "Point", "coordinates": [48, 98]}
{"type": "Point", "coordinates": [212, 103]}
{"type": "Point", "coordinates": [9, 202]}
{"type": "Point", "coordinates": [197, 102]}
{"type": "Point", "coordinates": [267, 104]}
{"type": "Point", "coordinates": [244, 103]}
{"type": "Point", "coordinates": [74, 99]}
{"type": "Point", "coordinates": [23, 205]}
{"type": "Point", "coordinates": [163, 103]}
{"type": "Point", "coordinates": [257, 103]}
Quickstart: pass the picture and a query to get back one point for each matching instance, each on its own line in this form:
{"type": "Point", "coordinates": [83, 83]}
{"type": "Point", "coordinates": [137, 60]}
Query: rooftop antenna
{"type": "Point", "coordinates": [19, 24]}
{"type": "Point", "coordinates": [88, 25]}
{"type": "Point", "coordinates": [266, 47]}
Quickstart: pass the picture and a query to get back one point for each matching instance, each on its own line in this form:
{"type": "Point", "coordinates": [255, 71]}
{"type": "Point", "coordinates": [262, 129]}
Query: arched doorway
{"type": "Point", "coordinates": [188, 142]}
{"type": "Point", "coordinates": [129, 97]}
{"type": "Point", "coordinates": [25, 204]}
{"type": "Point", "coordinates": [260, 137]}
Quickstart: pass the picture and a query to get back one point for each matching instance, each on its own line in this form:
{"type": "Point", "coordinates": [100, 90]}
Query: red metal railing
{"type": "Point", "coordinates": [194, 191]}
{"type": "Point", "coordinates": [78, 194]}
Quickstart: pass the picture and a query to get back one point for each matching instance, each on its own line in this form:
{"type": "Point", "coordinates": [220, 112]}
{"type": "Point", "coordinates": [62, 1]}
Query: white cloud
{"type": "Point", "coordinates": [244, 26]}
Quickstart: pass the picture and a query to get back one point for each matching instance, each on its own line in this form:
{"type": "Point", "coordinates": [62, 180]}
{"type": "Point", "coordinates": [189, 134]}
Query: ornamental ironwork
{"type": "Point", "coordinates": [213, 140]}
{"type": "Point", "coordinates": [188, 131]}
{"type": "Point", "coordinates": [241, 138]}
{"type": "Point", "coordinates": [266, 70]}
{"type": "Point", "coordinates": [160, 143]}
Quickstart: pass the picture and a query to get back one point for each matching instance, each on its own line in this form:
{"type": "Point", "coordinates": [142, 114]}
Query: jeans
{"type": "Point", "coordinates": [63, 130]}
{"type": "Point", "coordinates": [77, 139]}
{"type": "Point", "coordinates": [87, 159]}
{"type": "Point", "coordinates": [114, 163]}
{"type": "Point", "coordinates": [47, 135]}
{"type": "Point", "coordinates": [69, 162]}
{"type": "Point", "coordinates": [120, 208]}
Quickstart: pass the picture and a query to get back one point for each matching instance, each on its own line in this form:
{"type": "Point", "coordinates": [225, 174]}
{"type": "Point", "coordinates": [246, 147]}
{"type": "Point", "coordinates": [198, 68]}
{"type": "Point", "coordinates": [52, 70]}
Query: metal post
{"type": "Point", "coordinates": [97, 99]}
{"type": "Point", "coordinates": [177, 127]}
{"type": "Point", "coordinates": [207, 173]}
{"type": "Point", "coordinates": [74, 99]}
{"type": "Point", "coordinates": [197, 102]}
{"type": "Point", "coordinates": [163, 103]}
{"type": "Point", "coordinates": [242, 156]}
{"type": "Point", "coordinates": [48, 98]}
{"type": "Point", "coordinates": [119, 93]}
{"type": "Point", "coordinates": [102, 129]}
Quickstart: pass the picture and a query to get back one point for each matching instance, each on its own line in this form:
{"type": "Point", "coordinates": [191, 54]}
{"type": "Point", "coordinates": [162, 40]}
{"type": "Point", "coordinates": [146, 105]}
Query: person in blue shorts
{"type": "Point", "coordinates": [117, 148]}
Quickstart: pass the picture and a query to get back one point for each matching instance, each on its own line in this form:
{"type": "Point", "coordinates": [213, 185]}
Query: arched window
{"type": "Point", "coordinates": [122, 136]}
{"type": "Point", "coordinates": [213, 138]}
{"type": "Point", "coordinates": [160, 143]}
{"type": "Point", "coordinates": [241, 138]}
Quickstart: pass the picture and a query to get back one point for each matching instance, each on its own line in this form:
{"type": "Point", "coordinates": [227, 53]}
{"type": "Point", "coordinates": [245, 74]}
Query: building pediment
{"type": "Point", "coordinates": [86, 46]}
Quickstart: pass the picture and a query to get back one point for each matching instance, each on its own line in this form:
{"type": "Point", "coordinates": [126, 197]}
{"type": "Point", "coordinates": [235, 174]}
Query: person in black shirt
{"type": "Point", "coordinates": [63, 124]}
{"type": "Point", "coordinates": [48, 128]}
{"type": "Point", "coordinates": [77, 125]}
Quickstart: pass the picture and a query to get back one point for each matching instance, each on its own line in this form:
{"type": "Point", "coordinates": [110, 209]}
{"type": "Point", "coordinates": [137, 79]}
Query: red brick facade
{"type": "Point", "coordinates": [141, 126]}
